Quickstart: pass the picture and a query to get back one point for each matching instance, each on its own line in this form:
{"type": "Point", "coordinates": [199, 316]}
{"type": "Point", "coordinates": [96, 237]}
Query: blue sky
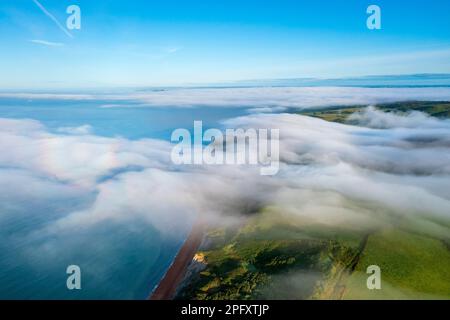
{"type": "Point", "coordinates": [140, 43]}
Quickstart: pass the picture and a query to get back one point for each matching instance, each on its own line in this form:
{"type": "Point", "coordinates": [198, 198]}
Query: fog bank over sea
{"type": "Point", "coordinates": [87, 177]}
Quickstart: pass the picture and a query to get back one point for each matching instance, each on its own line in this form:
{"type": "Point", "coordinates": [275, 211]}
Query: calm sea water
{"type": "Point", "coordinates": [117, 261]}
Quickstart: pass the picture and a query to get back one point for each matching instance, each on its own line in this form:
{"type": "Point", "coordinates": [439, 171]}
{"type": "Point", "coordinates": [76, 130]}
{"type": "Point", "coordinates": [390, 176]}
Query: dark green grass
{"type": "Point", "coordinates": [412, 266]}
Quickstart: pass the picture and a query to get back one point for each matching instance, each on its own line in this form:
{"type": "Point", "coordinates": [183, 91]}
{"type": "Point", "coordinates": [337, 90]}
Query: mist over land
{"type": "Point", "coordinates": [65, 191]}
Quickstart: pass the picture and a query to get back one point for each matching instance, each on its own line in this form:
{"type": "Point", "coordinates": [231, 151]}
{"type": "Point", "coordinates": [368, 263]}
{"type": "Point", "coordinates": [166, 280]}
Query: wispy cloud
{"type": "Point", "coordinates": [53, 18]}
{"type": "Point", "coordinates": [48, 43]}
{"type": "Point", "coordinates": [156, 52]}
{"type": "Point", "coordinates": [171, 50]}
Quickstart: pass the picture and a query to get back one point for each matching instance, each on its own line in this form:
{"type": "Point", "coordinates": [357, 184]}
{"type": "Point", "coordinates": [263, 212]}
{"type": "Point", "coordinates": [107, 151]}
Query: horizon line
{"type": "Point", "coordinates": [257, 82]}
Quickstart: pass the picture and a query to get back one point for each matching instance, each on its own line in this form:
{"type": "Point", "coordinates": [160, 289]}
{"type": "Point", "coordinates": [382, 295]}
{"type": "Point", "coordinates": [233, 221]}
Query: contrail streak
{"type": "Point", "coordinates": [52, 17]}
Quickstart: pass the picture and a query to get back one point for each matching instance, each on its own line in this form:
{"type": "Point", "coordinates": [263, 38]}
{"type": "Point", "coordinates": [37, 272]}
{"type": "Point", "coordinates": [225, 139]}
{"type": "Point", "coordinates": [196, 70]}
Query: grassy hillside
{"type": "Point", "coordinates": [277, 256]}
{"type": "Point", "coordinates": [273, 256]}
{"type": "Point", "coordinates": [413, 267]}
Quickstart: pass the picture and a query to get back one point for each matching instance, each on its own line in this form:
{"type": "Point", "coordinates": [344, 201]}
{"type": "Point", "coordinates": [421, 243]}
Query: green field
{"type": "Point", "coordinates": [276, 256]}
{"type": "Point", "coordinates": [413, 267]}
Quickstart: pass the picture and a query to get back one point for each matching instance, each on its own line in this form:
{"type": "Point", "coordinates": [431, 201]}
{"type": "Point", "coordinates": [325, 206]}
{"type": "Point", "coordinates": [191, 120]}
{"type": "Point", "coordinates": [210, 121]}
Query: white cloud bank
{"type": "Point", "coordinates": [258, 98]}
{"type": "Point", "coordinates": [330, 172]}
{"type": "Point", "coordinates": [373, 118]}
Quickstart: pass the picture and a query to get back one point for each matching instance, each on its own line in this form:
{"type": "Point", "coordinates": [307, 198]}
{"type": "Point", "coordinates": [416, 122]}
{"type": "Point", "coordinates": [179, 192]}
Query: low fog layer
{"type": "Point", "coordinates": [335, 174]}
{"type": "Point", "coordinates": [327, 169]}
{"type": "Point", "coordinates": [256, 98]}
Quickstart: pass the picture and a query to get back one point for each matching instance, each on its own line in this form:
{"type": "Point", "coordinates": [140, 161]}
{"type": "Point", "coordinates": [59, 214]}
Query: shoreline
{"type": "Point", "coordinates": [167, 287]}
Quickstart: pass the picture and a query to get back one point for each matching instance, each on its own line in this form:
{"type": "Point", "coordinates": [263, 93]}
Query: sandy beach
{"type": "Point", "coordinates": [167, 287]}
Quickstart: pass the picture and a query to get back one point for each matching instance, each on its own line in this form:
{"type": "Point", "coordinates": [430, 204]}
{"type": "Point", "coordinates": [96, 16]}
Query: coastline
{"type": "Point", "coordinates": [167, 287]}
